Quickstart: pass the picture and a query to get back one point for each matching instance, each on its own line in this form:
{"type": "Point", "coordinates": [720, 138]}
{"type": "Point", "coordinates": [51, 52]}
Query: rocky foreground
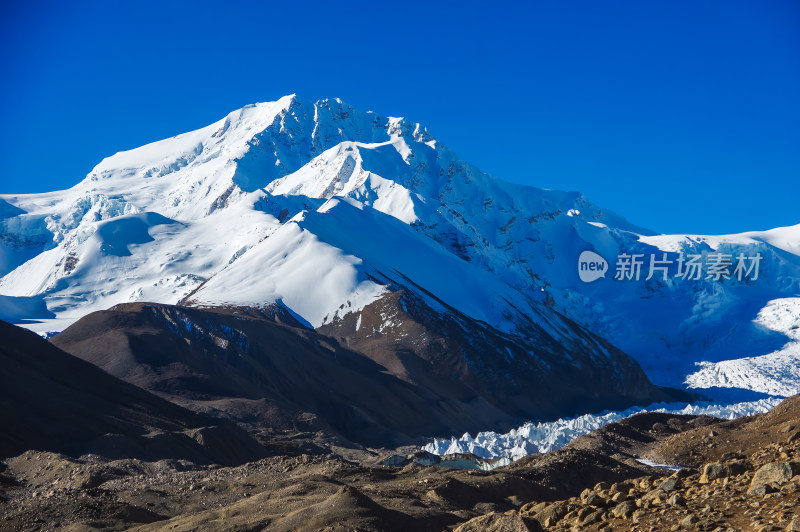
{"type": "Point", "coordinates": [737, 475]}
{"type": "Point", "coordinates": [753, 484]}
{"type": "Point", "coordinates": [759, 492]}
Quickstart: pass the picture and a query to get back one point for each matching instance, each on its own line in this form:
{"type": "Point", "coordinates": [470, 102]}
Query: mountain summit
{"type": "Point", "coordinates": [162, 220]}
{"type": "Point", "coordinates": [329, 212]}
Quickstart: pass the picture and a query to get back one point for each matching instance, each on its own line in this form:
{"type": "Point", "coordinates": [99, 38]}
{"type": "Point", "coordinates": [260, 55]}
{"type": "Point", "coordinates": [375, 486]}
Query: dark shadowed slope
{"type": "Point", "coordinates": [53, 401]}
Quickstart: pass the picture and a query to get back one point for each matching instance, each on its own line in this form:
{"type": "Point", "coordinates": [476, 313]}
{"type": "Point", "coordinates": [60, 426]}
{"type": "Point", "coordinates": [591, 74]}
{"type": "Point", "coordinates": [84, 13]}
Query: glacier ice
{"type": "Point", "coordinates": [543, 437]}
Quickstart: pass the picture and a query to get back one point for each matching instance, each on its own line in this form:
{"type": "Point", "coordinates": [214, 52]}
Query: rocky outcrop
{"type": "Point", "coordinates": [531, 374]}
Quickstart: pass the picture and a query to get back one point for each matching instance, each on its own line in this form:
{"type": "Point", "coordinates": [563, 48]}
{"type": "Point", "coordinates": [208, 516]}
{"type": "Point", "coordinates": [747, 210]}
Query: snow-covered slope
{"type": "Point", "coordinates": [254, 187]}
{"type": "Point", "coordinates": [672, 325]}
{"type": "Point", "coordinates": [776, 373]}
{"type": "Point", "coordinates": [323, 208]}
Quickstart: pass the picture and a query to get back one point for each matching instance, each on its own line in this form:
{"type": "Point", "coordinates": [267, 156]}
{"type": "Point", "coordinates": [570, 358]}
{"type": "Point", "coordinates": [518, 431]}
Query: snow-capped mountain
{"type": "Point", "coordinates": [325, 210]}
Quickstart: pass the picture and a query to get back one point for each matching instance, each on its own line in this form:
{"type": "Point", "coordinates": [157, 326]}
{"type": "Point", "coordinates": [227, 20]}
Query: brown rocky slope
{"type": "Point", "coordinates": [593, 483]}
{"type": "Point", "coordinates": [52, 401]}
{"type": "Point", "coordinates": [389, 375]}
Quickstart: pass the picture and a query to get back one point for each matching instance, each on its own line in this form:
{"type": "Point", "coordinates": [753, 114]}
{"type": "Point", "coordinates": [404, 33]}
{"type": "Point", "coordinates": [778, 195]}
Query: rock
{"type": "Point", "coordinates": [533, 508]}
{"type": "Point", "coordinates": [621, 487]}
{"type": "Point", "coordinates": [689, 520]}
{"type": "Point", "coordinates": [592, 518]}
{"type": "Point", "coordinates": [637, 516]}
{"type": "Point", "coordinates": [600, 486]}
{"type": "Point", "coordinates": [593, 499]}
{"type": "Point", "coordinates": [676, 499]}
{"type": "Point", "coordinates": [495, 522]}
{"type": "Point", "coordinates": [793, 437]}
{"type": "Point", "coordinates": [583, 512]}
{"type": "Point", "coordinates": [652, 494]}
{"type": "Point", "coordinates": [670, 484]}
{"type": "Point", "coordinates": [794, 525]}
{"type": "Point", "coordinates": [624, 510]}
{"type": "Point", "coordinates": [760, 491]}
{"type": "Point", "coordinates": [552, 514]}
{"type": "Point", "coordinates": [619, 497]}
{"type": "Point", "coordinates": [772, 475]}
{"type": "Point", "coordinates": [712, 472]}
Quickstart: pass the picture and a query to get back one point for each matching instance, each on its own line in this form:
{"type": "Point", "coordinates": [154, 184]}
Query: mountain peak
{"type": "Point", "coordinates": [246, 201]}
{"type": "Point", "coordinates": [246, 176]}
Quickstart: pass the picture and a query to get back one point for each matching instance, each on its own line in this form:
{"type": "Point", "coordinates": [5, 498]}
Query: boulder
{"type": "Point", "coordinates": [592, 518]}
{"type": "Point", "coordinates": [712, 472]}
{"type": "Point", "coordinates": [670, 484]}
{"type": "Point", "coordinates": [624, 510]}
{"type": "Point", "coordinates": [593, 499]}
{"type": "Point", "coordinates": [676, 499]}
{"type": "Point", "coordinates": [552, 514]}
{"type": "Point", "coordinates": [772, 475]}
{"type": "Point", "coordinates": [689, 521]}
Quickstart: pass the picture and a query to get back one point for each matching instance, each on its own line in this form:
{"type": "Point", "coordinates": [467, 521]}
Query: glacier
{"type": "Point", "coordinates": [543, 437]}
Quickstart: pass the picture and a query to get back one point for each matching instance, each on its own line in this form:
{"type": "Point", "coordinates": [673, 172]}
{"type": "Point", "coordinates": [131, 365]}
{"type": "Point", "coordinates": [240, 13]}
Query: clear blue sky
{"type": "Point", "coordinates": [684, 116]}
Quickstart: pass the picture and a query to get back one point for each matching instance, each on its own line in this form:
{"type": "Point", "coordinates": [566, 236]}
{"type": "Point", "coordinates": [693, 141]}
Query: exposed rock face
{"type": "Point", "coordinates": [531, 375]}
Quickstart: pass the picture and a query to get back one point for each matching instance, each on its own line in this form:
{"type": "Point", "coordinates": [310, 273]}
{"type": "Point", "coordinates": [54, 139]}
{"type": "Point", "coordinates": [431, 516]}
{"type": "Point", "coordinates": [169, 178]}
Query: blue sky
{"type": "Point", "coordinates": [684, 116]}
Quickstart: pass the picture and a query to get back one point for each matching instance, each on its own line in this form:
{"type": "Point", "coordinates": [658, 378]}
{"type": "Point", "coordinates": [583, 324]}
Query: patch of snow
{"type": "Point", "coordinates": [662, 466]}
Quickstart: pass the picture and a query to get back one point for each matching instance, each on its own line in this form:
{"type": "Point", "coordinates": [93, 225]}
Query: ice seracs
{"type": "Point", "coordinates": [533, 438]}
